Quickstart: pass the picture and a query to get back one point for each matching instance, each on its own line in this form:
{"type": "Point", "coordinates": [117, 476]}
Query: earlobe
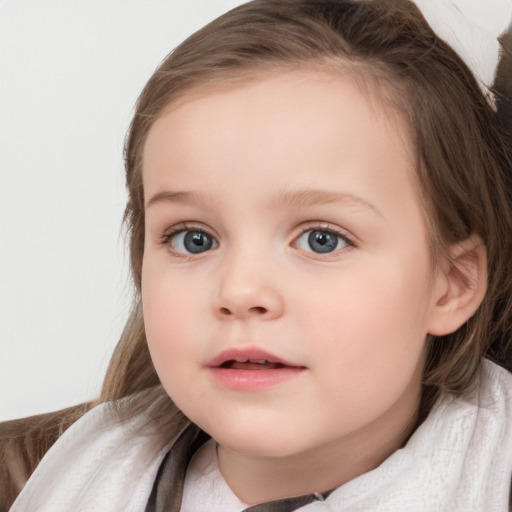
{"type": "Point", "coordinates": [462, 283]}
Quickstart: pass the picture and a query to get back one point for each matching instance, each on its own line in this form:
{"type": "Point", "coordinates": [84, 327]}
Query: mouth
{"type": "Point", "coordinates": [251, 369]}
{"type": "Point", "coordinates": [249, 359]}
{"type": "Point", "coordinates": [254, 364]}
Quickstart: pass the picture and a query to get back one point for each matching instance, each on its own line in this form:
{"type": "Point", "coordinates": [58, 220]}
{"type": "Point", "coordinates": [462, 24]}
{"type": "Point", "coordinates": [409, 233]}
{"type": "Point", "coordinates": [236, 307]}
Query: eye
{"type": "Point", "coordinates": [190, 241]}
{"type": "Point", "coordinates": [321, 241]}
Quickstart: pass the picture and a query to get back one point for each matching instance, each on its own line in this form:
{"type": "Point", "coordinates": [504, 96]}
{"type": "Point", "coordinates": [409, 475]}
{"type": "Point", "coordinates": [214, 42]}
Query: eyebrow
{"type": "Point", "coordinates": [312, 197]}
{"type": "Point", "coordinates": [289, 198]}
{"type": "Point", "coordinates": [188, 198]}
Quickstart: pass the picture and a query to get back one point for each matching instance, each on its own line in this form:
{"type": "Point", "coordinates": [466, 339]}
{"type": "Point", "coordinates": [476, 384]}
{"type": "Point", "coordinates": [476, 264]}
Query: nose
{"type": "Point", "coordinates": [247, 291]}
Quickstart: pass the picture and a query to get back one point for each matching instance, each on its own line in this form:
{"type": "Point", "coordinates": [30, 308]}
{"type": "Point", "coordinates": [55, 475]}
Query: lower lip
{"type": "Point", "coordinates": [253, 380]}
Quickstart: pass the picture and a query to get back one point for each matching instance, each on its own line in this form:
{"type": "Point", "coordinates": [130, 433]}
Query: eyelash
{"type": "Point", "coordinates": [327, 228]}
{"type": "Point", "coordinates": [170, 234]}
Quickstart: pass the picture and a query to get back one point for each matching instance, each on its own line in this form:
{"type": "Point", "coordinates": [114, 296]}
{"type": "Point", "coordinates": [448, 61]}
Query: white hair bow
{"type": "Point", "coordinates": [480, 31]}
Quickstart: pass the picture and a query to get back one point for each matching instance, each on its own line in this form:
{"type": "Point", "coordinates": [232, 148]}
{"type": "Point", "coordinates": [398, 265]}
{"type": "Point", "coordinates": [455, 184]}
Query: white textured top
{"type": "Point", "coordinates": [459, 460]}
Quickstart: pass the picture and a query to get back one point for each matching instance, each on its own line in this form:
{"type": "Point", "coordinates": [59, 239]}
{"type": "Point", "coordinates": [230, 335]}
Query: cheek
{"type": "Point", "coordinates": [170, 319]}
{"type": "Point", "coordinates": [370, 327]}
{"type": "Point", "coordinates": [173, 310]}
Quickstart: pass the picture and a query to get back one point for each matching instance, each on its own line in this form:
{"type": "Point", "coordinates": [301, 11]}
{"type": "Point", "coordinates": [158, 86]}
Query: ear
{"type": "Point", "coordinates": [461, 283]}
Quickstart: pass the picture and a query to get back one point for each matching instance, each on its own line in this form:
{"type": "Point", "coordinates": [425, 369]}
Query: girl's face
{"type": "Point", "coordinates": [286, 281]}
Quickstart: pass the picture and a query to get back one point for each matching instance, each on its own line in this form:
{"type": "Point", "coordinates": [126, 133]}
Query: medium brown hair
{"type": "Point", "coordinates": [461, 159]}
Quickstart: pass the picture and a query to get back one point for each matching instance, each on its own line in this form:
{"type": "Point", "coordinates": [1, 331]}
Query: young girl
{"type": "Point", "coordinates": [320, 235]}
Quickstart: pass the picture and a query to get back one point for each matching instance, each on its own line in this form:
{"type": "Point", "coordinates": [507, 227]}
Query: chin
{"type": "Point", "coordinates": [263, 442]}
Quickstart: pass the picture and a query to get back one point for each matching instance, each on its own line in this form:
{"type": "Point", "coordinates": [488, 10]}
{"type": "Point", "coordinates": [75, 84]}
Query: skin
{"type": "Point", "coordinates": [258, 165]}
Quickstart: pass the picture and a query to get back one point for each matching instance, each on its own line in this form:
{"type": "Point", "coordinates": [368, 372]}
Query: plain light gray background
{"type": "Point", "coordinates": [70, 72]}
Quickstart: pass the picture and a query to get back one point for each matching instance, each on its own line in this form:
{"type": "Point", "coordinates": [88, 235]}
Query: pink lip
{"type": "Point", "coordinates": [244, 354]}
{"type": "Point", "coordinates": [251, 379]}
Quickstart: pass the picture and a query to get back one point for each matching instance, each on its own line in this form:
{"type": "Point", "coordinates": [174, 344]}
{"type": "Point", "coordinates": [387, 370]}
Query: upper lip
{"type": "Point", "coordinates": [242, 355]}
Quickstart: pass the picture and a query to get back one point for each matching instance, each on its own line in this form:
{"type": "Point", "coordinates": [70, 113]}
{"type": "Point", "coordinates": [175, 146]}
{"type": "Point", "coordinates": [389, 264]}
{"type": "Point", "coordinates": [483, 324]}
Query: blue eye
{"type": "Point", "coordinates": [192, 242]}
{"type": "Point", "coordinates": [321, 241]}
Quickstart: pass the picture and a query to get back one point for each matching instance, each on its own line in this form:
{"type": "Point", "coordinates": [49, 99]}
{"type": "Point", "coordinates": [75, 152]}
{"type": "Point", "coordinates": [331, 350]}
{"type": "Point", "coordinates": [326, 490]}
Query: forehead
{"type": "Point", "coordinates": [312, 108]}
{"type": "Point", "coordinates": [285, 91]}
{"type": "Point", "coordinates": [303, 125]}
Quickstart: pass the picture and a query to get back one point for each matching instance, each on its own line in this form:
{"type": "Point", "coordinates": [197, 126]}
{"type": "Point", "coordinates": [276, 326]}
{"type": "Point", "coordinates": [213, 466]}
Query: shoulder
{"type": "Point", "coordinates": [24, 442]}
{"type": "Point", "coordinates": [497, 384]}
{"type": "Point", "coordinates": [113, 451]}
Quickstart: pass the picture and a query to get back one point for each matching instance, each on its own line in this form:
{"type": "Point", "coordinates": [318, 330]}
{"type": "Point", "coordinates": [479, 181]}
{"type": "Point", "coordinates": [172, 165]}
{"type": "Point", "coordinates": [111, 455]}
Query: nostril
{"type": "Point", "coordinates": [258, 309]}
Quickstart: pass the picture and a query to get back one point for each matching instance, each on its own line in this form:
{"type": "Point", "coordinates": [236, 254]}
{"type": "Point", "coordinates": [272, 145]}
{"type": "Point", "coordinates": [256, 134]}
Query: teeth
{"type": "Point", "coordinates": [257, 361]}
